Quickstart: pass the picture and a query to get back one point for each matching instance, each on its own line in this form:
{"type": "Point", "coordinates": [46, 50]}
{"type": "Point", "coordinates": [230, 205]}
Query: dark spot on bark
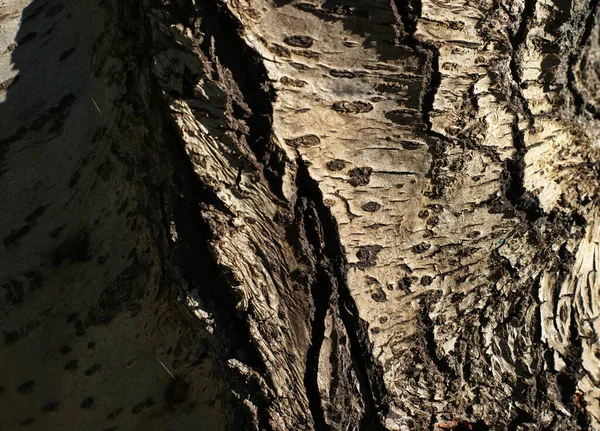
{"type": "Point", "coordinates": [383, 319]}
{"type": "Point", "coordinates": [433, 221]}
{"type": "Point", "coordinates": [71, 365]}
{"type": "Point", "coordinates": [360, 176]}
{"type": "Point", "coordinates": [307, 53]}
{"type": "Point", "coordinates": [92, 370]}
{"type": "Point", "coordinates": [426, 280]}
{"type": "Point", "coordinates": [65, 349]}
{"type": "Point", "coordinates": [356, 107]}
{"type": "Point", "coordinates": [281, 51]}
{"type": "Point", "coordinates": [32, 218]}
{"type": "Point", "coordinates": [298, 66]}
{"type": "Point", "coordinates": [56, 232]}
{"type": "Point", "coordinates": [26, 387]}
{"type": "Point", "coordinates": [336, 165]}
{"type": "Point", "coordinates": [15, 293]}
{"type": "Point", "coordinates": [292, 82]}
{"type": "Point", "coordinates": [371, 207]}
{"type": "Point", "coordinates": [423, 214]}
{"type": "Point", "coordinates": [379, 295]}
{"type": "Point", "coordinates": [51, 407]}
{"type": "Point", "coordinates": [27, 38]}
{"type": "Point", "coordinates": [66, 54]}
{"type": "Point", "coordinates": [75, 249]}
{"type": "Point", "coordinates": [148, 402]}
{"type": "Point", "coordinates": [122, 295]}
{"type": "Point", "coordinates": [15, 235]}
{"type": "Point", "coordinates": [91, 345]}
{"type": "Point", "coordinates": [408, 145]}
{"type": "Point", "coordinates": [87, 403]}
{"type": "Point", "coordinates": [403, 118]}
{"type": "Point", "coordinates": [11, 337]}
{"type": "Point", "coordinates": [474, 234]}
{"type": "Point", "coordinates": [27, 421]}
{"type": "Point", "coordinates": [79, 328]}
{"type": "Point", "coordinates": [114, 414]}
{"type": "Point", "coordinates": [404, 284]}
{"type": "Point", "coordinates": [421, 248]}
{"type": "Point", "coordinates": [304, 141]}
{"type": "Point", "coordinates": [178, 391]}
{"type": "Point", "coordinates": [345, 73]}
{"type": "Point", "coordinates": [367, 255]}
{"type": "Point", "coordinates": [299, 41]}
{"type": "Point", "coordinates": [74, 179]}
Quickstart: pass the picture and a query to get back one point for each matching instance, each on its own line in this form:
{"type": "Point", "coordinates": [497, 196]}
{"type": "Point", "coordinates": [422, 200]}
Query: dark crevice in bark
{"type": "Point", "coordinates": [191, 255]}
{"type": "Point", "coordinates": [197, 265]}
{"type": "Point", "coordinates": [331, 280]}
{"type": "Point", "coordinates": [410, 12]}
{"type": "Point", "coordinates": [251, 77]}
{"type": "Point", "coordinates": [569, 377]}
{"type": "Point", "coordinates": [581, 104]}
{"type": "Point", "coordinates": [441, 363]}
{"type": "Point", "coordinates": [522, 418]}
{"type": "Point", "coordinates": [514, 188]}
{"type": "Point", "coordinates": [321, 288]}
{"type": "Point", "coordinates": [516, 40]}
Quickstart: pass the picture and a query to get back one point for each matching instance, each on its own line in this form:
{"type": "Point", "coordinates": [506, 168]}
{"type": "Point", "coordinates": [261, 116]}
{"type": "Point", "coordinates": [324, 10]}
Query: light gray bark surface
{"type": "Point", "coordinates": [315, 214]}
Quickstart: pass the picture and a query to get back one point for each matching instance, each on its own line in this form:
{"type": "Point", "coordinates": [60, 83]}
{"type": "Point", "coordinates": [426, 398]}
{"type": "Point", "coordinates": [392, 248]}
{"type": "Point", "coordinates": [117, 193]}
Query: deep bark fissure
{"type": "Point", "coordinates": [516, 40]}
{"type": "Point", "coordinates": [568, 378]}
{"type": "Point", "coordinates": [332, 258]}
{"type": "Point", "coordinates": [191, 255]}
{"type": "Point", "coordinates": [251, 77]}
{"type": "Point", "coordinates": [409, 13]}
{"type": "Point", "coordinates": [321, 289]}
{"type": "Point", "coordinates": [440, 363]}
{"type": "Point", "coordinates": [515, 190]}
{"type": "Point", "coordinates": [581, 104]}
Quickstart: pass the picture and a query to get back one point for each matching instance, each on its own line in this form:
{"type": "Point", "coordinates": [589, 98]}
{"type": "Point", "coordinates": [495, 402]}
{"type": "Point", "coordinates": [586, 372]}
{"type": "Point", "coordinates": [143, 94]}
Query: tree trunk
{"type": "Point", "coordinates": [298, 215]}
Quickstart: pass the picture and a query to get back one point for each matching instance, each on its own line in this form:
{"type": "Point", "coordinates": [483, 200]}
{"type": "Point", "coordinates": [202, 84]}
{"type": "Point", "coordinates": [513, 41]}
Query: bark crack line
{"type": "Point", "coordinates": [332, 274]}
{"type": "Point", "coordinates": [192, 256]}
{"type": "Point", "coordinates": [408, 13]}
{"type": "Point", "coordinates": [514, 188]}
{"type": "Point", "coordinates": [580, 103]}
{"type": "Point", "coordinates": [251, 76]}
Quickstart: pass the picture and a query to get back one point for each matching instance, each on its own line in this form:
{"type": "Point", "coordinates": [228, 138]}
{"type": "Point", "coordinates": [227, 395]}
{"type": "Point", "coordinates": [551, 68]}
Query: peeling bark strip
{"type": "Point", "coordinates": [304, 214]}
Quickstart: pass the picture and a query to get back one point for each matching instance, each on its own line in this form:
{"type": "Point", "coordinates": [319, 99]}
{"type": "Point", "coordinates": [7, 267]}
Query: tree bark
{"type": "Point", "coordinates": [314, 215]}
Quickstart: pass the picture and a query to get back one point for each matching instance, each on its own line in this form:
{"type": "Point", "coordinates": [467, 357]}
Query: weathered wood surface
{"type": "Point", "coordinates": [370, 215]}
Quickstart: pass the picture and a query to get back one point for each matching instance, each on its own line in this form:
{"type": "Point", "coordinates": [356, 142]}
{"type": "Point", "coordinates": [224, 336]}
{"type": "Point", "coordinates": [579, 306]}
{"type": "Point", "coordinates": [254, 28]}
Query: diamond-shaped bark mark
{"type": "Point", "coordinates": [367, 255]}
{"type": "Point", "coordinates": [360, 176]}
{"type": "Point", "coordinates": [148, 402]}
{"type": "Point", "coordinates": [371, 207]}
{"type": "Point", "coordinates": [336, 165]}
{"type": "Point", "coordinates": [357, 107]}
{"type": "Point", "coordinates": [421, 248]}
{"type": "Point", "coordinates": [299, 41]}
{"type": "Point", "coordinates": [304, 141]}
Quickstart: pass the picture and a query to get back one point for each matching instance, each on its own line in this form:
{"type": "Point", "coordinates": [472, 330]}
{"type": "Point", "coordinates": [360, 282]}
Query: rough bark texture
{"type": "Point", "coordinates": [313, 214]}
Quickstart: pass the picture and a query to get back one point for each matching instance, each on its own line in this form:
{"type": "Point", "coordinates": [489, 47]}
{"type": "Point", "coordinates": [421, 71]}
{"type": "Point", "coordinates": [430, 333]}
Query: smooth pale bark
{"type": "Point", "coordinates": [315, 214]}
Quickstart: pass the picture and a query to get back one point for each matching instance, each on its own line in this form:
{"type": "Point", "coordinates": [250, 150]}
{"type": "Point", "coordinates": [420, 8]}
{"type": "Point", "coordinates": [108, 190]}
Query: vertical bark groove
{"type": "Point", "coordinates": [331, 281]}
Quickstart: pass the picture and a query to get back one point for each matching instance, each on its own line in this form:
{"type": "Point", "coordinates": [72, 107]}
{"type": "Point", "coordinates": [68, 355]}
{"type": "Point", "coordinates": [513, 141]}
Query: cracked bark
{"type": "Point", "coordinates": [300, 214]}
